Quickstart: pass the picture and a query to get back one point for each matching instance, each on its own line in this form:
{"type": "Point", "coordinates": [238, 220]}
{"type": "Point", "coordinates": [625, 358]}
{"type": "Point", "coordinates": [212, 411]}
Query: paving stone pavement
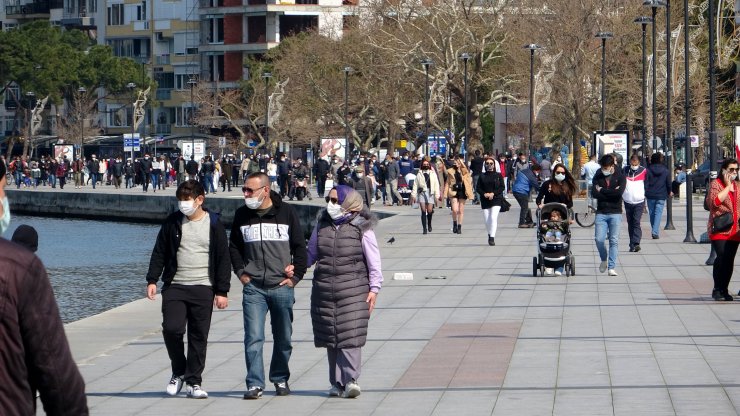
{"type": "Point", "coordinates": [474, 333]}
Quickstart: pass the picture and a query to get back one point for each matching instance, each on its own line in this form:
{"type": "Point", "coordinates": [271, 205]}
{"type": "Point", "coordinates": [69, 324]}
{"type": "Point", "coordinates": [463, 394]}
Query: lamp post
{"type": "Point", "coordinates": [266, 76]}
{"type": "Point", "coordinates": [644, 21]}
{"type": "Point", "coordinates": [532, 47]}
{"type": "Point", "coordinates": [347, 70]}
{"type": "Point", "coordinates": [668, 92]}
{"type": "Point", "coordinates": [426, 63]}
{"type": "Point", "coordinates": [689, 238]}
{"type": "Point", "coordinates": [81, 92]}
{"type": "Point", "coordinates": [654, 5]}
{"type": "Point", "coordinates": [191, 83]}
{"type": "Point", "coordinates": [505, 101]}
{"type": "Point", "coordinates": [712, 109]}
{"type": "Point", "coordinates": [603, 36]}
{"type": "Point", "coordinates": [131, 86]}
{"type": "Point", "coordinates": [466, 57]}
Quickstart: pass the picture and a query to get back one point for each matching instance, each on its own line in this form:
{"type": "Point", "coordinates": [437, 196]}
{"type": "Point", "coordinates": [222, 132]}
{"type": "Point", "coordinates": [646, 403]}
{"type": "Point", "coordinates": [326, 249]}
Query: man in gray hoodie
{"type": "Point", "coordinates": [392, 171]}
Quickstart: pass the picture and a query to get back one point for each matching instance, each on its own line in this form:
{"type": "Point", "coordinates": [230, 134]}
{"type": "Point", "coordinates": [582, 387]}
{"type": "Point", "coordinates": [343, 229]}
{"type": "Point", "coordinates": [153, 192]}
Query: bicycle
{"type": "Point", "coordinates": [583, 206]}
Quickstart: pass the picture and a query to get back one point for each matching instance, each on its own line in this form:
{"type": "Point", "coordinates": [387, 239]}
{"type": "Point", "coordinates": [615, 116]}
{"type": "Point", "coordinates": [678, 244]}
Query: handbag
{"type": "Point", "coordinates": [505, 206]}
{"type": "Point", "coordinates": [722, 223]}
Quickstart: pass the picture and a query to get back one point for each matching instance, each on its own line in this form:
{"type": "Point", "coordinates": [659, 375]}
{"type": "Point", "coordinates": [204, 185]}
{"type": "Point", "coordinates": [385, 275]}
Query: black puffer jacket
{"type": "Point", "coordinates": [609, 195]}
{"type": "Point", "coordinates": [339, 311]}
{"type": "Point", "coordinates": [487, 183]}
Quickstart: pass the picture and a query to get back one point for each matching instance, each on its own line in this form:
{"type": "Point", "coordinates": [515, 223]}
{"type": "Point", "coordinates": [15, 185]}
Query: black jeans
{"type": "Point", "coordinates": [724, 263]}
{"type": "Point", "coordinates": [191, 305]}
{"type": "Point", "coordinates": [320, 185]}
{"type": "Point", "coordinates": [525, 215]}
{"type": "Point", "coordinates": [634, 215]}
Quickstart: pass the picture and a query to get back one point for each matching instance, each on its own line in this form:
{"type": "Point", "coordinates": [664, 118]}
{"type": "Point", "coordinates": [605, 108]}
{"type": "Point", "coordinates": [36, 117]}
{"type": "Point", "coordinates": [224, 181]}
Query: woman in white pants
{"type": "Point", "coordinates": [491, 189]}
{"type": "Point", "coordinates": [426, 191]}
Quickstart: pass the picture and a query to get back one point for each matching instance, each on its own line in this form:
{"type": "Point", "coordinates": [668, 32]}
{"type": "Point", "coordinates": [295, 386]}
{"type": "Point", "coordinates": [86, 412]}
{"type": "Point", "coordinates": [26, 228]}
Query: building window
{"type": "Point", "coordinates": [183, 115]}
{"type": "Point", "coordinates": [115, 15]}
{"type": "Point", "coordinates": [118, 116]}
{"type": "Point", "coordinates": [181, 81]}
{"type": "Point", "coordinates": [92, 7]}
{"type": "Point", "coordinates": [141, 12]}
{"type": "Point", "coordinates": [215, 68]}
{"type": "Point", "coordinates": [186, 43]}
{"type": "Point", "coordinates": [216, 30]}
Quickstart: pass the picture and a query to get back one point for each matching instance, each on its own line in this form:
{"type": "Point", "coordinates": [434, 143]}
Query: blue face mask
{"type": "Point", "coordinates": [5, 220]}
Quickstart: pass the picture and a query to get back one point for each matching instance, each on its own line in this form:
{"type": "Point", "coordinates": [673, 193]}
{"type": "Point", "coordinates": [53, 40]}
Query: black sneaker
{"type": "Point", "coordinates": [282, 389]}
{"type": "Point", "coordinates": [716, 294]}
{"type": "Point", "coordinates": [727, 297]}
{"type": "Point", "coordinates": [491, 241]}
{"type": "Point", "coordinates": [253, 393]}
{"type": "Point", "coordinates": [636, 248]}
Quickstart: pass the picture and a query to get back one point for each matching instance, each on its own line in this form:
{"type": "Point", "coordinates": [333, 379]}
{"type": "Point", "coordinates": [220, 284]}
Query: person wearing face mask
{"type": "Point", "coordinates": [490, 188]}
{"type": "Point", "coordinates": [129, 172]}
{"type": "Point", "coordinates": [346, 282]}
{"type": "Point", "coordinates": [192, 257]}
{"type": "Point", "coordinates": [363, 185]}
{"type": "Point", "coordinates": [459, 190]}
{"type": "Point", "coordinates": [268, 254]}
{"type": "Point", "coordinates": [634, 200]}
{"type": "Point", "coordinates": [93, 166]}
{"type": "Point", "coordinates": [145, 166]}
{"type": "Point", "coordinates": [559, 188]}
{"type": "Point", "coordinates": [608, 186]}
{"type": "Point", "coordinates": [657, 190]}
{"type": "Point", "coordinates": [723, 199]}
{"type": "Point", "coordinates": [36, 359]}
{"type": "Point", "coordinates": [426, 191]}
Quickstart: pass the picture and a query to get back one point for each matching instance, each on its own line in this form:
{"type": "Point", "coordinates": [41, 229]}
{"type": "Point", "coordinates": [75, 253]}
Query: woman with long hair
{"type": "Point", "coordinates": [723, 199]}
{"type": "Point", "coordinates": [459, 188]}
{"type": "Point", "coordinates": [426, 190]}
{"type": "Point", "coordinates": [559, 188]}
{"type": "Point", "coordinates": [491, 189]}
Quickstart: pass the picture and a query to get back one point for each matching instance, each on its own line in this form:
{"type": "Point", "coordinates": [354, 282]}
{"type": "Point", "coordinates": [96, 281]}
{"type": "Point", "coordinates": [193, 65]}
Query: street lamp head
{"type": "Point", "coordinates": [532, 47]}
{"type": "Point", "coordinates": [82, 90]}
{"type": "Point", "coordinates": [426, 63]}
{"type": "Point", "coordinates": [30, 93]}
{"type": "Point", "coordinates": [131, 85]}
{"type": "Point", "coordinates": [267, 75]}
{"type": "Point", "coordinates": [466, 56]}
{"type": "Point", "coordinates": [655, 4]}
{"type": "Point", "coordinates": [604, 35]}
{"type": "Point", "coordinates": [644, 20]}
{"type": "Point", "coordinates": [192, 81]}
{"type": "Point", "coordinates": [347, 69]}
{"type": "Point", "coordinates": [37, 67]}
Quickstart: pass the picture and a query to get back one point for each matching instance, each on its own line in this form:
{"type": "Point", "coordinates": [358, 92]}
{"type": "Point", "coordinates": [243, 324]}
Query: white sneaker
{"type": "Point", "coordinates": [548, 271]}
{"type": "Point", "coordinates": [335, 391]}
{"type": "Point", "coordinates": [175, 385]}
{"type": "Point", "coordinates": [195, 392]}
{"type": "Point", "coordinates": [351, 390]}
{"type": "Point", "coordinates": [602, 266]}
{"type": "Point", "coordinates": [613, 272]}
{"type": "Point", "coordinates": [558, 273]}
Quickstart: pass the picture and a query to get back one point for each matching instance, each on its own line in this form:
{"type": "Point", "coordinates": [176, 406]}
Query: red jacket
{"type": "Point", "coordinates": [717, 208]}
{"type": "Point", "coordinates": [35, 353]}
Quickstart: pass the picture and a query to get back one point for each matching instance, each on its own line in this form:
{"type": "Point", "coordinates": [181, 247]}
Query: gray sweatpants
{"type": "Point", "coordinates": [344, 365]}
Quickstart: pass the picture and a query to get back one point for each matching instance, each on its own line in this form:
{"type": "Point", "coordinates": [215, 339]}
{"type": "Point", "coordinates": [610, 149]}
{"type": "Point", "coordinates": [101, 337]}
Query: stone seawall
{"type": "Point", "coordinates": [149, 208]}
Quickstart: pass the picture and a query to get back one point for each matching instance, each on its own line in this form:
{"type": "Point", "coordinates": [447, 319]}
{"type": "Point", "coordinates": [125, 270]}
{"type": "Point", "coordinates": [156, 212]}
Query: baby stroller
{"type": "Point", "coordinates": [553, 253]}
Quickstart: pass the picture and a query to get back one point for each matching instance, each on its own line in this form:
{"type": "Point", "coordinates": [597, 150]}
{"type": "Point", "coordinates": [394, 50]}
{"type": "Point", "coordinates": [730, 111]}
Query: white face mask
{"type": "Point", "coordinates": [360, 175]}
{"type": "Point", "coordinates": [606, 172]}
{"type": "Point", "coordinates": [559, 177]}
{"type": "Point", "coordinates": [5, 220]}
{"type": "Point", "coordinates": [187, 208]}
{"type": "Point", "coordinates": [334, 210]}
{"type": "Point", "coordinates": [633, 167]}
{"type": "Point", "coordinates": [254, 202]}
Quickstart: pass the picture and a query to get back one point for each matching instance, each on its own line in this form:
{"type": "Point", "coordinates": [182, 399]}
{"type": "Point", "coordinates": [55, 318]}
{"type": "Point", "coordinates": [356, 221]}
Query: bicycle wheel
{"type": "Point", "coordinates": [586, 219]}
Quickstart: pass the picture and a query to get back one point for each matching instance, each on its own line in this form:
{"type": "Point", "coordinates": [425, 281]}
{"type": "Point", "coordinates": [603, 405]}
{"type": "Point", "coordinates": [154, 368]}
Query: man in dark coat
{"type": "Point", "coordinates": [321, 171]}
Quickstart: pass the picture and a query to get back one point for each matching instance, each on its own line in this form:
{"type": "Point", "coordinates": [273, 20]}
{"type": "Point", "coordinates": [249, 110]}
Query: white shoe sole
{"type": "Point", "coordinates": [352, 391]}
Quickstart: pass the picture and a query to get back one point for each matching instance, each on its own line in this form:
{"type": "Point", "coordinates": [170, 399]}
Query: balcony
{"type": "Point", "coordinates": [162, 59]}
{"type": "Point", "coordinates": [163, 129]}
{"type": "Point", "coordinates": [29, 10]}
{"type": "Point", "coordinates": [163, 94]}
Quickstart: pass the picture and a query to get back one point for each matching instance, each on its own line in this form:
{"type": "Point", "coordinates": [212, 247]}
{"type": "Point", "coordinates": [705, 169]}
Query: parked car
{"type": "Point", "coordinates": [700, 176]}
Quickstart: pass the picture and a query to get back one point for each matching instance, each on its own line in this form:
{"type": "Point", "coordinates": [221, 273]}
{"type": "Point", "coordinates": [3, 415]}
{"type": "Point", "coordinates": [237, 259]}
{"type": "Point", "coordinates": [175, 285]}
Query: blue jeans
{"type": "Point", "coordinates": [208, 185]}
{"type": "Point", "coordinates": [18, 174]}
{"type": "Point", "coordinates": [155, 180]}
{"type": "Point", "coordinates": [52, 180]}
{"type": "Point", "coordinates": [655, 210]}
{"type": "Point", "coordinates": [608, 224]}
{"type": "Point", "coordinates": [255, 304]}
{"type": "Point", "coordinates": [93, 178]}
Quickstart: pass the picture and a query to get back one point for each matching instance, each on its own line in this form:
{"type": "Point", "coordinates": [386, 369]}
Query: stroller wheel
{"type": "Point", "coordinates": [572, 266]}
{"type": "Point", "coordinates": [535, 266]}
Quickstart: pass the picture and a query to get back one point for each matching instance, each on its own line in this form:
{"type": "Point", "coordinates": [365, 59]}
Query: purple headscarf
{"type": "Point", "coordinates": [343, 192]}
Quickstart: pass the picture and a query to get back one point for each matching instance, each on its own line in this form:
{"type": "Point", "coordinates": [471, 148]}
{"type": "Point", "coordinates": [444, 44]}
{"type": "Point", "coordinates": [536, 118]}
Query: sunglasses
{"type": "Point", "coordinates": [250, 191]}
{"type": "Point", "coordinates": [561, 172]}
{"type": "Point", "coordinates": [732, 169]}
{"type": "Point", "coordinates": [333, 200]}
{"type": "Point", "coordinates": [489, 164]}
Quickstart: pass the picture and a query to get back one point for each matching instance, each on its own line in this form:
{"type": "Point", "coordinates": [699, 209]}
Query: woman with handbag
{"type": "Point", "coordinates": [459, 190]}
{"type": "Point", "coordinates": [491, 189]}
{"type": "Point", "coordinates": [426, 189]}
{"type": "Point", "coordinates": [723, 199]}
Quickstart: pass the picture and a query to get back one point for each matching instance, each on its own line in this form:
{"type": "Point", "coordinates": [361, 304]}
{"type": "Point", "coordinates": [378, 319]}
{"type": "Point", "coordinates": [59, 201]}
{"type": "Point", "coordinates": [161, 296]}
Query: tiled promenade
{"type": "Point", "coordinates": [473, 334]}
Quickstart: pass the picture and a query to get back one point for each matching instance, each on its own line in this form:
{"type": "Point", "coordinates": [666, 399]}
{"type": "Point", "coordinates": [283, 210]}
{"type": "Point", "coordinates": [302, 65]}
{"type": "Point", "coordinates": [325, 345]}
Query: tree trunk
{"type": "Point", "coordinates": [473, 142]}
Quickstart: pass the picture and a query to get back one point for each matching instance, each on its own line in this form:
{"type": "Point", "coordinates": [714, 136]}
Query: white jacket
{"type": "Point", "coordinates": [420, 184]}
{"type": "Point", "coordinates": [634, 190]}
